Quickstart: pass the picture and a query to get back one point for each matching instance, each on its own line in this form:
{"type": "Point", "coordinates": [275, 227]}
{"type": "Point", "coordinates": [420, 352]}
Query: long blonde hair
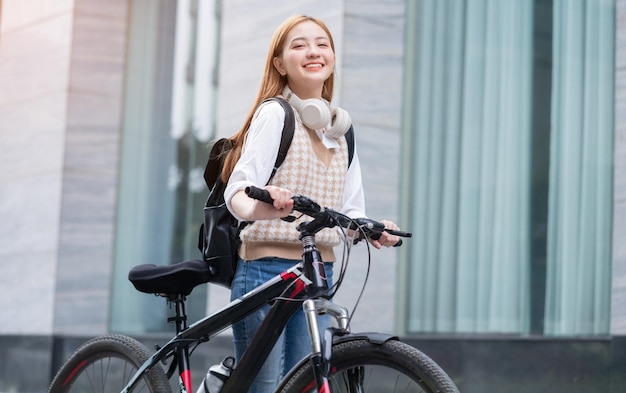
{"type": "Point", "coordinates": [272, 84]}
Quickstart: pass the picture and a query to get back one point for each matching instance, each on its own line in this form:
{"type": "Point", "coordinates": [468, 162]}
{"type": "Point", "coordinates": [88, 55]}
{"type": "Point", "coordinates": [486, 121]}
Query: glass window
{"type": "Point", "coordinates": [508, 152]}
{"type": "Point", "coordinates": [168, 122]}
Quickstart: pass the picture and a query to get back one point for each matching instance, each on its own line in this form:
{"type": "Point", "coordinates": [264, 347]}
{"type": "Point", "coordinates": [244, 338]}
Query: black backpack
{"type": "Point", "coordinates": [219, 234]}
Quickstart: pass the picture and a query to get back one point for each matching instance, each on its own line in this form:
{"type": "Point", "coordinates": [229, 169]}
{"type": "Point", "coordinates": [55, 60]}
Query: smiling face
{"type": "Point", "coordinates": [307, 59]}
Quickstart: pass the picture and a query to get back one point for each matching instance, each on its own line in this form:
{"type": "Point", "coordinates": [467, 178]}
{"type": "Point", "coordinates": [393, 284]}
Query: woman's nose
{"type": "Point", "coordinates": [313, 51]}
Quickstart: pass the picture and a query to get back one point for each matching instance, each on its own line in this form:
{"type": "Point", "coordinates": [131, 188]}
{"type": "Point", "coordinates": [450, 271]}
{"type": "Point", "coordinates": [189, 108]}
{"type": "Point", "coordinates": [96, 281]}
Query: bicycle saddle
{"type": "Point", "coordinates": [179, 278]}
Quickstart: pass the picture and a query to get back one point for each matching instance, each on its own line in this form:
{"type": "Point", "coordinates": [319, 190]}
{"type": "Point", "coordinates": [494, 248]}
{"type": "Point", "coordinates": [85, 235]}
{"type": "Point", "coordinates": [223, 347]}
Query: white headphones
{"type": "Point", "coordinates": [317, 114]}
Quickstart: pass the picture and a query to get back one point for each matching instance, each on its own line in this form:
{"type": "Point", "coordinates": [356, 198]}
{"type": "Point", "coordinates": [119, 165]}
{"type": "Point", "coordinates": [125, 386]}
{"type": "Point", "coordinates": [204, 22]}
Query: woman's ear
{"type": "Point", "coordinates": [278, 64]}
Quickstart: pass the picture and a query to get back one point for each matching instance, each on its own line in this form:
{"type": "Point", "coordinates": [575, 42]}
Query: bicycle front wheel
{"type": "Point", "coordinates": [105, 365]}
{"type": "Point", "coordinates": [360, 366]}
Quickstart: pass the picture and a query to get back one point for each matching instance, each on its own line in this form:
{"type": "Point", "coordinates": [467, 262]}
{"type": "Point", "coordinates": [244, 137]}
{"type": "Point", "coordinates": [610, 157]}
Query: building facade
{"type": "Point", "coordinates": [495, 131]}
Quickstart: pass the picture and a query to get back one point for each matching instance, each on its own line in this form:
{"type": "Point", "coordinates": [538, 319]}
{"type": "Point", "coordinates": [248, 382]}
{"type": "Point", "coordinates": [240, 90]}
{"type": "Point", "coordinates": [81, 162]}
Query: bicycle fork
{"type": "Point", "coordinates": [322, 348]}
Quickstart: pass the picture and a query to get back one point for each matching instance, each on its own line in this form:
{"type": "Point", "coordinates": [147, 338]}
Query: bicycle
{"type": "Point", "coordinates": [340, 361]}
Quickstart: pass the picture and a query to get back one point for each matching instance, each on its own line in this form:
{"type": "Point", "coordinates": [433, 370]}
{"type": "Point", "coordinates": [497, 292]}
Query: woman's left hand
{"type": "Point", "coordinates": [386, 239]}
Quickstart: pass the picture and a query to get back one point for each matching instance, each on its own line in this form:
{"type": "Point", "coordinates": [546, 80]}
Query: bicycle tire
{"type": "Point", "coordinates": [388, 367]}
{"type": "Point", "coordinates": [106, 364]}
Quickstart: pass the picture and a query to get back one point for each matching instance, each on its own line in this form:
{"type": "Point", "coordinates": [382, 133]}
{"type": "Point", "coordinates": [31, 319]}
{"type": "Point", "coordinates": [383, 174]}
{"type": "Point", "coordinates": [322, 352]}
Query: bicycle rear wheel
{"type": "Point", "coordinates": [106, 364]}
{"type": "Point", "coordinates": [360, 366]}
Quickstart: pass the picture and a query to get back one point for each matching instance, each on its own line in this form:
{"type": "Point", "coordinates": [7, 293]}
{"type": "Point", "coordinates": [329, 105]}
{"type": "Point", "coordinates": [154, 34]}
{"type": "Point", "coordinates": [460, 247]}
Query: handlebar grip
{"type": "Point", "coordinates": [399, 233]}
{"type": "Point", "coordinates": [396, 233]}
{"type": "Point", "coordinates": [259, 194]}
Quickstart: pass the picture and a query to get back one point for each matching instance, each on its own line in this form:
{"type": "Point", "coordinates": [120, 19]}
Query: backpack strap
{"type": "Point", "coordinates": [287, 134]}
{"type": "Point", "coordinates": [350, 140]}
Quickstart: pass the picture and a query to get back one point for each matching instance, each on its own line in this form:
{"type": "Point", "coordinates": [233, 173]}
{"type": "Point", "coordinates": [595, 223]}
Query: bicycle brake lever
{"type": "Point", "coordinates": [376, 236]}
{"type": "Point", "coordinates": [358, 238]}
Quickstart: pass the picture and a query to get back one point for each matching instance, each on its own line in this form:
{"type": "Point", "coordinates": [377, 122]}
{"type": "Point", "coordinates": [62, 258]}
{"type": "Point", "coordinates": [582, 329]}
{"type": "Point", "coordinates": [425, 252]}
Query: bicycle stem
{"type": "Point", "coordinates": [313, 266]}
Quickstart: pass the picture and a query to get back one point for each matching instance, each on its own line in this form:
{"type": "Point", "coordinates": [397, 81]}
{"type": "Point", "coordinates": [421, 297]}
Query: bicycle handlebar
{"type": "Point", "coordinates": [369, 228]}
{"type": "Point", "coordinates": [259, 194]}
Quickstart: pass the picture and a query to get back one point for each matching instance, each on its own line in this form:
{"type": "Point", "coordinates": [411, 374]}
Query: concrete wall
{"type": "Point", "coordinates": [90, 172]}
{"type": "Point", "coordinates": [35, 51]}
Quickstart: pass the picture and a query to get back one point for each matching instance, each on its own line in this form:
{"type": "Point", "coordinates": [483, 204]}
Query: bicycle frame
{"type": "Point", "coordinates": [287, 291]}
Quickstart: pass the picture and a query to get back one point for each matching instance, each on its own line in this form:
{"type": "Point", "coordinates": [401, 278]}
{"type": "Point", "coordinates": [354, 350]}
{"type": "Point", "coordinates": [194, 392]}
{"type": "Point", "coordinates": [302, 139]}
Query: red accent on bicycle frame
{"type": "Point", "coordinates": [324, 389]}
{"type": "Point", "coordinates": [300, 285]}
{"type": "Point", "coordinates": [74, 371]}
{"type": "Point", "coordinates": [309, 387]}
{"type": "Point", "coordinates": [287, 275]}
{"type": "Point", "coordinates": [186, 377]}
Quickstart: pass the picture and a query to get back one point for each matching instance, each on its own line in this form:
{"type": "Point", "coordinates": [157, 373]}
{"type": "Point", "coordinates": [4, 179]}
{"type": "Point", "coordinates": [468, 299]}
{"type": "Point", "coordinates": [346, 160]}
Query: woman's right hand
{"type": "Point", "coordinates": [282, 200]}
{"type": "Point", "coordinates": [252, 210]}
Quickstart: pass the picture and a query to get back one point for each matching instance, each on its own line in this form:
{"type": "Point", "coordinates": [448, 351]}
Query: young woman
{"type": "Point", "coordinates": [300, 66]}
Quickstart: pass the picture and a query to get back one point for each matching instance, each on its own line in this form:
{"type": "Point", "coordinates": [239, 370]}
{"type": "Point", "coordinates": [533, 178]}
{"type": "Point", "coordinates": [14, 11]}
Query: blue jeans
{"type": "Point", "coordinates": [294, 343]}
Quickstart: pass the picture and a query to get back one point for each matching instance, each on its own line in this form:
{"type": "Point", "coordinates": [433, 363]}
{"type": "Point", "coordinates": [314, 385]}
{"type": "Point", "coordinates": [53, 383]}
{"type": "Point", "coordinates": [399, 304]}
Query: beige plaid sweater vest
{"type": "Point", "coordinates": [312, 170]}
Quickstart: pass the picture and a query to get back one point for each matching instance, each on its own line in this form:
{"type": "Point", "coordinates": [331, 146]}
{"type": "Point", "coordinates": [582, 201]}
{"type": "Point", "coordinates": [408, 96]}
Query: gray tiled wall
{"type": "Point", "coordinates": [61, 72]}
{"type": "Point", "coordinates": [33, 106]}
{"type": "Point", "coordinates": [89, 187]}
